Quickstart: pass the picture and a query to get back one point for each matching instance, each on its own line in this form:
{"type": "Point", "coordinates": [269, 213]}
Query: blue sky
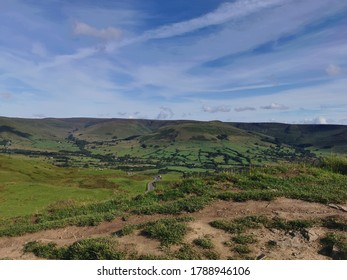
{"type": "Point", "coordinates": [241, 60]}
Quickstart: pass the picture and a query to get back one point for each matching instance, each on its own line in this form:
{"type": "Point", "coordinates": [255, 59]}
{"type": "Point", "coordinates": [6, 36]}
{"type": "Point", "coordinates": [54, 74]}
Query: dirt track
{"type": "Point", "coordinates": [289, 247]}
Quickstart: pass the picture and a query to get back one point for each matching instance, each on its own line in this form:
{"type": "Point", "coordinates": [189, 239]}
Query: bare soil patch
{"type": "Point", "coordinates": [285, 245]}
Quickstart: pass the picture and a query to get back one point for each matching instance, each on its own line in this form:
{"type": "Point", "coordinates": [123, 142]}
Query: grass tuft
{"type": "Point", "coordinates": [87, 249]}
{"type": "Point", "coordinates": [167, 231]}
{"type": "Point", "coordinates": [203, 242]}
{"type": "Point", "coordinates": [244, 239]}
{"type": "Point", "coordinates": [336, 164]}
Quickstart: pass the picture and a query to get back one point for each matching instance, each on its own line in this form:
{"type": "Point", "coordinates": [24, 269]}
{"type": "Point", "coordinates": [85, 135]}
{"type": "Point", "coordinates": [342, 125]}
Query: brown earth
{"type": "Point", "coordinates": [288, 245]}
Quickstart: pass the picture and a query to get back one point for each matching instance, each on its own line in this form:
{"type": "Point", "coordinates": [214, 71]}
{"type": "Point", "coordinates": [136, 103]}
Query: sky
{"type": "Point", "coordinates": [236, 61]}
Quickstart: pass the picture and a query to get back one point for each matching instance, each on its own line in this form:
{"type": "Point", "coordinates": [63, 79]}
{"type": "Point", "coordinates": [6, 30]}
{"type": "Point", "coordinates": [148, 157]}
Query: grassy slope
{"type": "Point", "coordinates": [324, 184]}
{"type": "Point", "coordinates": [36, 196]}
{"type": "Point", "coordinates": [29, 185]}
{"type": "Point", "coordinates": [112, 129]}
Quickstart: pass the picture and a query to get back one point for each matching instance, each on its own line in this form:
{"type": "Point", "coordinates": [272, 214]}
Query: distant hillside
{"type": "Point", "coordinates": [159, 144]}
{"type": "Point", "coordinates": [327, 137]}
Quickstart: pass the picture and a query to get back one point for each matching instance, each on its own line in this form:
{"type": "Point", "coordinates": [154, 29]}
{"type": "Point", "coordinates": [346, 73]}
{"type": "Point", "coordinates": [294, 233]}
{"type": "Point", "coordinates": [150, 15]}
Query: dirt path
{"type": "Point", "coordinates": [290, 247]}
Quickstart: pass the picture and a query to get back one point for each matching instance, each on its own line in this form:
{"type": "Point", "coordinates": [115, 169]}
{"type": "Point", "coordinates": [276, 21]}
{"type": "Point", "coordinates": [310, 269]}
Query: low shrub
{"type": "Point", "coordinates": [242, 249]}
{"type": "Point", "coordinates": [46, 251]}
{"type": "Point", "coordinates": [87, 249]}
{"type": "Point", "coordinates": [187, 252]}
{"type": "Point", "coordinates": [336, 164]}
{"type": "Point", "coordinates": [167, 231]}
{"type": "Point", "coordinates": [211, 255]}
{"type": "Point", "coordinates": [126, 230]}
{"type": "Point", "coordinates": [242, 196]}
{"type": "Point", "coordinates": [203, 242]}
{"type": "Point", "coordinates": [294, 225]}
{"type": "Point", "coordinates": [94, 249]}
{"type": "Point", "coordinates": [244, 239]}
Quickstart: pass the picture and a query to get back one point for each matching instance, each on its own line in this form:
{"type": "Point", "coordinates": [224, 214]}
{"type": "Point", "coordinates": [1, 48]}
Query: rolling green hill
{"type": "Point", "coordinates": [174, 145]}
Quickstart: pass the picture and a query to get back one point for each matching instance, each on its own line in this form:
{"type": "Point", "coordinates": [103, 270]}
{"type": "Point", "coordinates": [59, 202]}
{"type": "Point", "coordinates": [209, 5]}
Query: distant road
{"type": "Point", "coordinates": [151, 184]}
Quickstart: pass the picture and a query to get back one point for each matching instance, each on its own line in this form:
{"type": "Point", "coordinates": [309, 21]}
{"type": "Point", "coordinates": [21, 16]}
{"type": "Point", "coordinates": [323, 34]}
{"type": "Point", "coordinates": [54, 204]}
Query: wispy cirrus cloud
{"type": "Point", "coordinates": [122, 57]}
{"type": "Point", "coordinates": [224, 13]}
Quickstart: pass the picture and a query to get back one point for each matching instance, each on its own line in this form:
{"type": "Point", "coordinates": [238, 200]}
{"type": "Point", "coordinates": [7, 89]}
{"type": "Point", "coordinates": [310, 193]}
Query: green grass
{"type": "Point", "coordinates": [296, 181]}
{"type": "Point", "coordinates": [23, 199]}
{"type": "Point", "coordinates": [87, 249]}
{"type": "Point", "coordinates": [28, 186]}
{"type": "Point", "coordinates": [293, 225]}
{"type": "Point", "coordinates": [244, 239]}
{"type": "Point", "coordinates": [132, 185]}
{"type": "Point", "coordinates": [46, 251]}
{"type": "Point", "coordinates": [240, 225]}
{"type": "Point", "coordinates": [35, 195]}
{"type": "Point", "coordinates": [336, 164]}
{"type": "Point", "coordinates": [242, 249]}
{"type": "Point", "coordinates": [204, 242]}
{"type": "Point", "coordinates": [167, 231]}
{"type": "Point", "coordinates": [187, 252]}
{"type": "Point", "coordinates": [53, 145]}
{"type": "Point", "coordinates": [126, 230]}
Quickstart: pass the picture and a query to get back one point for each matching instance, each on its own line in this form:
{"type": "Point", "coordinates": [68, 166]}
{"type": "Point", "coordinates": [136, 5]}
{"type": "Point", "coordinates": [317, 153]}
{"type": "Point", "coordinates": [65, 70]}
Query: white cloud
{"type": "Point", "coordinates": [317, 120]}
{"type": "Point", "coordinates": [216, 109]}
{"type": "Point", "coordinates": [275, 106]}
{"type": "Point", "coordinates": [320, 120]}
{"type": "Point", "coordinates": [109, 33]}
{"type": "Point", "coordinates": [39, 116]}
{"type": "Point", "coordinates": [242, 109]}
{"type": "Point", "coordinates": [165, 113]}
{"type": "Point", "coordinates": [135, 115]}
{"type": "Point", "coordinates": [333, 69]}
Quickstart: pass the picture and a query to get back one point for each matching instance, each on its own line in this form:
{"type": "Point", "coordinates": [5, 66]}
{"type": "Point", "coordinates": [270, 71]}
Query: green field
{"type": "Point", "coordinates": [30, 185]}
{"type": "Point", "coordinates": [140, 145]}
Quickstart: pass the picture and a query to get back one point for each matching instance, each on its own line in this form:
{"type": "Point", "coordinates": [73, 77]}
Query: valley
{"type": "Point", "coordinates": [69, 187]}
